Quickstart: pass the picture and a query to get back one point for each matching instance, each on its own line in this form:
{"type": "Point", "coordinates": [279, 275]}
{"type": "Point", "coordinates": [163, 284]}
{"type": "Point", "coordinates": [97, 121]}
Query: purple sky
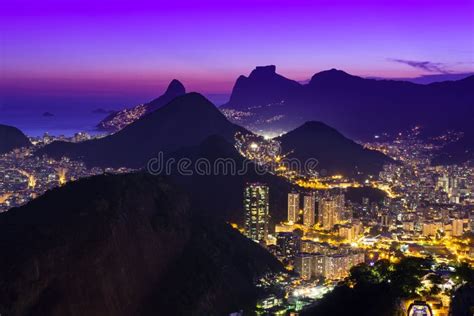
{"type": "Point", "coordinates": [61, 47]}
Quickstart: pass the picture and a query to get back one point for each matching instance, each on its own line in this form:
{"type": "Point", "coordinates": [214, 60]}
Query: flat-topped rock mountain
{"type": "Point", "coordinates": [358, 107]}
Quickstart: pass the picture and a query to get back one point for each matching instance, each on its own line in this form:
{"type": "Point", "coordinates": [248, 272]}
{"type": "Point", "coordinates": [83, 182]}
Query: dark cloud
{"type": "Point", "coordinates": [423, 65]}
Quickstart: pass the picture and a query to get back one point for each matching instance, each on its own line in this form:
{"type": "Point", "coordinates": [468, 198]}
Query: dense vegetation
{"type": "Point", "coordinates": [380, 289]}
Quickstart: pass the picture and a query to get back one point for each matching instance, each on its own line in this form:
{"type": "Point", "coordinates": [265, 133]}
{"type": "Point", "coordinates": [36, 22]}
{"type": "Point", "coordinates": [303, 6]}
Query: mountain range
{"type": "Point", "coordinates": [358, 107]}
{"type": "Point", "coordinates": [118, 120]}
{"type": "Point", "coordinates": [185, 121]}
{"type": "Point", "coordinates": [216, 188]}
{"type": "Point", "coordinates": [191, 129]}
{"type": "Point", "coordinates": [124, 245]}
{"type": "Point", "coordinates": [188, 121]}
{"type": "Point", "coordinates": [12, 138]}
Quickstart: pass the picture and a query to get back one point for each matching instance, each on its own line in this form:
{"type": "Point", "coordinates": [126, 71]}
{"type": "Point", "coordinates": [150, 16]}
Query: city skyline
{"type": "Point", "coordinates": [247, 157]}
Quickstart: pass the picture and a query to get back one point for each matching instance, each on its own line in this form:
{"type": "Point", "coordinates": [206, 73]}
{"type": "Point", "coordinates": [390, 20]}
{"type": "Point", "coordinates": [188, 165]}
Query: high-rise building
{"type": "Point", "coordinates": [293, 207]}
{"type": "Point", "coordinates": [471, 222]}
{"type": "Point", "coordinates": [256, 209]}
{"type": "Point", "coordinates": [330, 211]}
{"type": "Point", "coordinates": [443, 183]}
{"type": "Point", "coordinates": [335, 266]}
{"type": "Point", "coordinates": [385, 220]}
{"type": "Point", "coordinates": [340, 205]}
{"type": "Point", "coordinates": [309, 210]}
{"type": "Point", "coordinates": [288, 245]}
{"type": "Point", "coordinates": [431, 229]}
{"type": "Point", "coordinates": [458, 227]}
{"type": "Point", "coordinates": [309, 246]}
{"type": "Point", "coordinates": [347, 214]}
{"type": "Point", "coordinates": [318, 268]}
{"type": "Point", "coordinates": [303, 263]}
{"type": "Point", "coordinates": [453, 183]}
{"type": "Point", "coordinates": [346, 232]}
{"type": "Point", "coordinates": [408, 226]}
{"type": "Point", "coordinates": [350, 232]}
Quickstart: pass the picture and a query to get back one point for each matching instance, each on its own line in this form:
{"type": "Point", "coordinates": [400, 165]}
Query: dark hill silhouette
{"type": "Point", "coordinates": [458, 152]}
{"type": "Point", "coordinates": [117, 120]}
{"type": "Point", "coordinates": [335, 153]}
{"type": "Point", "coordinates": [220, 193]}
{"type": "Point", "coordinates": [11, 138]}
{"type": "Point", "coordinates": [263, 86]}
{"type": "Point", "coordinates": [186, 121]}
{"type": "Point", "coordinates": [356, 106]}
{"type": "Point", "coordinates": [124, 245]}
{"type": "Point", "coordinates": [332, 77]}
{"type": "Point", "coordinates": [174, 90]}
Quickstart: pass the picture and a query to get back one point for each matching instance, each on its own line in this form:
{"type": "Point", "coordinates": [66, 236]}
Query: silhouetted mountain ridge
{"type": "Point", "coordinates": [185, 121]}
{"type": "Point", "coordinates": [118, 120]}
{"type": "Point", "coordinates": [263, 86]}
{"type": "Point", "coordinates": [357, 106]}
{"type": "Point", "coordinates": [332, 75]}
{"type": "Point", "coordinates": [11, 138]}
{"type": "Point", "coordinates": [174, 90]}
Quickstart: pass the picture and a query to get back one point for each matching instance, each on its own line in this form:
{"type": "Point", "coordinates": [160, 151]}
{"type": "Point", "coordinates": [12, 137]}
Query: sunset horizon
{"type": "Point", "coordinates": [237, 158]}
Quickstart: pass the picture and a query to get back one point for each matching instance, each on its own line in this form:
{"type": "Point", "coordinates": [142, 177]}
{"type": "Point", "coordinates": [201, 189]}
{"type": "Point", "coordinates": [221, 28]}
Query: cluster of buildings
{"type": "Point", "coordinates": [325, 235]}
{"type": "Point", "coordinates": [76, 138]}
{"type": "Point", "coordinates": [118, 120]}
{"type": "Point", "coordinates": [324, 212]}
{"type": "Point", "coordinates": [332, 265]}
{"type": "Point", "coordinates": [25, 176]}
{"type": "Point", "coordinates": [308, 258]}
{"type": "Point", "coordinates": [316, 260]}
{"type": "Point", "coordinates": [327, 210]}
{"type": "Point", "coordinates": [427, 210]}
{"type": "Point", "coordinates": [429, 201]}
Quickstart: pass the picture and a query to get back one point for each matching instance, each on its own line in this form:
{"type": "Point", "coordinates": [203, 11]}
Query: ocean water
{"type": "Point", "coordinates": [71, 114]}
{"type": "Point", "coordinates": [68, 115]}
{"type": "Point", "coordinates": [33, 123]}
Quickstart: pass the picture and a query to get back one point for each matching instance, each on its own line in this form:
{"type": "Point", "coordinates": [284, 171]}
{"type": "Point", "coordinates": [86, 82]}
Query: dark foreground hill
{"type": "Point", "coordinates": [123, 245]}
{"type": "Point", "coordinates": [11, 138]}
{"type": "Point", "coordinates": [185, 121]}
{"type": "Point", "coordinates": [335, 154]}
{"type": "Point", "coordinates": [219, 175]}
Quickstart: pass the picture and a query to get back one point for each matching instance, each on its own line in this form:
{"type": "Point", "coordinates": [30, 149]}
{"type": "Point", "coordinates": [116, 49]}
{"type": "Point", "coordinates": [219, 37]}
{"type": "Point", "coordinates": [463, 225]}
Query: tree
{"type": "Point", "coordinates": [407, 276]}
{"type": "Point", "coordinates": [464, 273]}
